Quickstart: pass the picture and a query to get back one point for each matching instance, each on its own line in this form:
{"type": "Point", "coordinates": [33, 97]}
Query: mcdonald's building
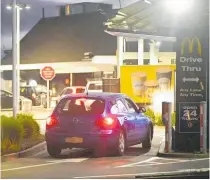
{"type": "Point", "coordinates": [189, 34]}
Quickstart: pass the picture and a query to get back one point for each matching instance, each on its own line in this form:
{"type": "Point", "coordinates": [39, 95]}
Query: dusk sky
{"type": "Point", "coordinates": [30, 17]}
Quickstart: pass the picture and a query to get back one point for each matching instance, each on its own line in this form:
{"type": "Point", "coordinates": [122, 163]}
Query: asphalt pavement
{"type": "Point", "coordinates": [78, 163]}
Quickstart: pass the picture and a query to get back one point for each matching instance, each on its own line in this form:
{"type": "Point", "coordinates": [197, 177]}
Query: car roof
{"type": "Point", "coordinates": [101, 95]}
{"type": "Point", "coordinates": [74, 87]}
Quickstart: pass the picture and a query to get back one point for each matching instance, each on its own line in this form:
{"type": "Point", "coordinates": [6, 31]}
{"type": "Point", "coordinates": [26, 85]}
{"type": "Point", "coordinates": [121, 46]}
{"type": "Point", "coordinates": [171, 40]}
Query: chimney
{"type": "Point", "coordinates": [43, 13]}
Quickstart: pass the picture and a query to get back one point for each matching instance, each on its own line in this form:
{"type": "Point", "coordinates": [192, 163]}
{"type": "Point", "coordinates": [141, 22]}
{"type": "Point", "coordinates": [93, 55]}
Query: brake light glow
{"type": "Point", "coordinates": [107, 123]}
{"type": "Point", "coordinates": [51, 122]}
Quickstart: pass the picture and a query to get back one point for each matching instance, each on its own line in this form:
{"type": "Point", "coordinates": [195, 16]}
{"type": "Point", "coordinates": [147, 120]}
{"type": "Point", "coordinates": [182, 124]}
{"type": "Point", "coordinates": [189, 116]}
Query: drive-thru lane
{"type": "Point", "coordinates": [80, 164]}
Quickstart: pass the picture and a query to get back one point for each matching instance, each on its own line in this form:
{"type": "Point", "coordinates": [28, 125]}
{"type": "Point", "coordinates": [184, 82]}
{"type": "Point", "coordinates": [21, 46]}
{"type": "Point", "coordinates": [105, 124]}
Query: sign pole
{"type": "Point", "coordinates": [14, 54]}
{"type": "Point", "coordinates": [203, 129]}
{"type": "Point", "coordinates": [167, 120]}
{"type": "Point", "coordinates": [47, 73]}
{"type": "Point", "coordinates": [48, 94]}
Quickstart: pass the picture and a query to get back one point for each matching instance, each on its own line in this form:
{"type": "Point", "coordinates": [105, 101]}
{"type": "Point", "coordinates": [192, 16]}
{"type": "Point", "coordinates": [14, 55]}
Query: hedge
{"type": "Point", "coordinates": [157, 118]}
{"type": "Point", "coordinates": [15, 130]}
{"type": "Point", "coordinates": [30, 126]}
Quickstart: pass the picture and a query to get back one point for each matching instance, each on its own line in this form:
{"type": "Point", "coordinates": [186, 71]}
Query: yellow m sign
{"type": "Point", "coordinates": [191, 42]}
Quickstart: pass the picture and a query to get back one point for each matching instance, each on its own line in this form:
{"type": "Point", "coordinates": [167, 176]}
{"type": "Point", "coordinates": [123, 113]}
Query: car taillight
{"type": "Point", "coordinates": [107, 123]}
{"type": "Point", "coordinates": [34, 96]}
{"type": "Point", "coordinates": [51, 122]}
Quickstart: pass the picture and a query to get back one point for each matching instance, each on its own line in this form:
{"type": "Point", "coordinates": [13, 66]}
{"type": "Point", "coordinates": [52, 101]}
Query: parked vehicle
{"type": "Point", "coordinates": [70, 90]}
{"type": "Point", "coordinates": [94, 86]}
{"type": "Point", "coordinates": [101, 122]}
{"type": "Point", "coordinates": [37, 94]}
{"type": "Point", "coordinates": [7, 100]}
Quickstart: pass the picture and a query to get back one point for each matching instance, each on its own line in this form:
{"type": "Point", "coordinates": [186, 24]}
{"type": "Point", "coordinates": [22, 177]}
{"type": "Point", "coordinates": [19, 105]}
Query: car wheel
{"type": "Point", "coordinates": [53, 151]}
{"type": "Point", "coordinates": [147, 143]}
{"type": "Point", "coordinates": [121, 144]}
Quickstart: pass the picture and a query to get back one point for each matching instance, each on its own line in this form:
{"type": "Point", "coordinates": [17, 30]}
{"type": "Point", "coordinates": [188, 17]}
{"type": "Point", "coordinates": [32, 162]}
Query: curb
{"type": "Point", "coordinates": [173, 174]}
{"type": "Point", "coordinates": [161, 153]}
{"type": "Point", "coordinates": [25, 153]}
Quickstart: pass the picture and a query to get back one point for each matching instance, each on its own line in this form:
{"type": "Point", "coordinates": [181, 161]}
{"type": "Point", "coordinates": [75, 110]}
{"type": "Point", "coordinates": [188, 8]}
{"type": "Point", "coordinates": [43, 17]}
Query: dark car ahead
{"type": "Point", "coordinates": [7, 100]}
{"type": "Point", "coordinates": [34, 93]}
{"type": "Point", "coordinates": [98, 121]}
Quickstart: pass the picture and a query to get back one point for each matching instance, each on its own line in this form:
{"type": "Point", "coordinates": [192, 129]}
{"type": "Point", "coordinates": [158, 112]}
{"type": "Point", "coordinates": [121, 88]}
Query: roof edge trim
{"type": "Point", "coordinates": [142, 36]}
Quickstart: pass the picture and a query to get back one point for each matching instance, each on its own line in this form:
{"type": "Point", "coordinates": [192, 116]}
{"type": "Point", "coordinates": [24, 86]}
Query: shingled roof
{"type": "Point", "coordinates": [65, 39]}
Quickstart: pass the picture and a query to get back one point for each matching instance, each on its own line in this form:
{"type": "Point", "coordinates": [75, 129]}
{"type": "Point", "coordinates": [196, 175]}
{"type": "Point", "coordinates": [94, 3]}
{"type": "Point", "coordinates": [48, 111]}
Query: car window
{"type": "Point", "coordinates": [117, 107]}
{"type": "Point", "coordinates": [80, 90]}
{"type": "Point", "coordinates": [23, 91]}
{"type": "Point", "coordinates": [81, 106]}
{"type": "Point", "coordinates": [27, 91]}
{"type": "Point", "coordinates": [62, 92]}
{"type": "Point", "coordinates": [130, 105]}
{"type": "Point", "coordinates": [5, 94]}
{"type": "Point", "coordinates": [68, 91]}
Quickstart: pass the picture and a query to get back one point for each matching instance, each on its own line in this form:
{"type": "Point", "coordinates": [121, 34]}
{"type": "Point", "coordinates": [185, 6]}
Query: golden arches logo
{"type": "Point", "coordinates": [191, 42]}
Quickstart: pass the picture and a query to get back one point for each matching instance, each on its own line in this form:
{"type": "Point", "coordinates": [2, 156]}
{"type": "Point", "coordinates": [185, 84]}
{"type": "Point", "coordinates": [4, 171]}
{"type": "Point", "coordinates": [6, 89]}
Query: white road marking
{"type": "Point", "coordinates": [45, 164]}
{"type": "Point", "coordinates": [157, 163]}
{"type": "Point", "coordinates": [75, 160]}
{"type": "Point", "coordinates": [130, 165]}
{"type": "Point", "coordinates": [39, 153]}
{"type": "Point", "coordinates": [144, 174]}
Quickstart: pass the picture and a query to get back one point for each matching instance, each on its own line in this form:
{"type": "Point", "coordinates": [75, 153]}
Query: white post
{"type": "Point", "coordinates": [119, 54]}
{"type": "Point", "coordinates": [140, 51]}
{"type": "Point", "coordinates": [71, 79]}
{"type": "Point", "coordinates": [14, 53]}
{"type": "Point", "coordinates": [124, 45]}
{"type": "Point", "coordinates": [18, 57]}
{"type": "Point", "coordinates": [48, 94]}
{"type": "Point", "coordinates": [166, 115]}
{"type": "Point", "coordinates": [203, 127]}
{"type": "Point", "coordinates": [153, 56]}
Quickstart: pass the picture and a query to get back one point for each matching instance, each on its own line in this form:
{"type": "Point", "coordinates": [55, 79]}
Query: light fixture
{"type": "Point", "coordinates": [158, 43]}
{"type": "Point", "coordinates": [27, 7]}
{"type": "Point", "coordinates": [178, 6]}
{"type": "Point", "coordinates": [9, 7]}
{"type": "Point", "coordinates": [147, 1]}
{"type": "Point", "coordinates": [20, 6]}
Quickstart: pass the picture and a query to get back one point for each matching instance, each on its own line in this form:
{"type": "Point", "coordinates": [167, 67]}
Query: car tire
{"type": "Point", "coordinates": [147, 143]}
{"type": "Point", "coordinates": [121, 144]}
{"type": "Point", "coordinates": [53, 151]}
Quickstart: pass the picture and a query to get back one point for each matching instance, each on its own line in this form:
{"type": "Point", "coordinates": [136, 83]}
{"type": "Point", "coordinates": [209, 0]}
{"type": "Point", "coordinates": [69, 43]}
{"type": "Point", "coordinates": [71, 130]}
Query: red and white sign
{"type": "Point", "coordinates": [47, 73]}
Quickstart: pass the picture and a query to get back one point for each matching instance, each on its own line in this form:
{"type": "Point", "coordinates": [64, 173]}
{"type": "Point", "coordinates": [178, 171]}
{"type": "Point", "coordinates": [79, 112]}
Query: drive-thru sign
{"type": "Point", "coordinates": [47, 73]}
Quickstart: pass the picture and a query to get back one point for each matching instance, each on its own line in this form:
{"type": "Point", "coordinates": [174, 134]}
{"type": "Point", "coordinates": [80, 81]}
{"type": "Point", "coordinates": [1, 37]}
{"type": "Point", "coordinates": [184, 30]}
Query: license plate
{"type": "Point", "coordinates": [75, 140]}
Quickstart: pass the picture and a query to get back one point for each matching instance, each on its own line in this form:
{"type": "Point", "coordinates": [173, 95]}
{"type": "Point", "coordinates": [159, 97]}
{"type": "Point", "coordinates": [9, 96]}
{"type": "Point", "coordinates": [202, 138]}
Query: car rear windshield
{"type": "Point", "coordinates": [81, 106]}
{"type": "Point", "coordinates": [27, 91]}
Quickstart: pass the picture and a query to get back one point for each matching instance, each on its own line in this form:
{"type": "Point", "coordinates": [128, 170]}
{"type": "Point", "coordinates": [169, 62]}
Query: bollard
{"type": "Point", "coordinates": [203, 130]}
{"type": "Point", "coordinates": [167, 121]}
